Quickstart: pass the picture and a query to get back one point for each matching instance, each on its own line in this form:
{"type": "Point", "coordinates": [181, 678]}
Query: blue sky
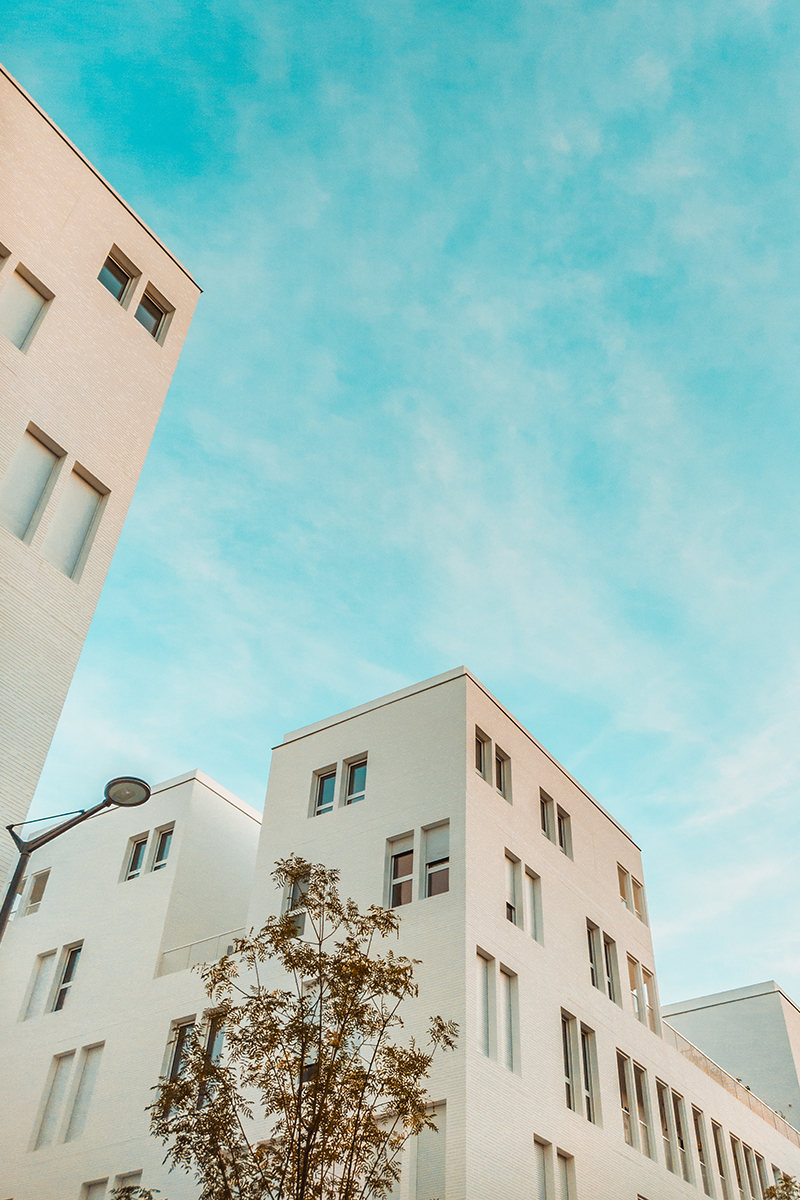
{"type": "Point", "coordinates": [496, 363]}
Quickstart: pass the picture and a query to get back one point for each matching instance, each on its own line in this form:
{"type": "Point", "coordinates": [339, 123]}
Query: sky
{"type": "Point", "coordinates": [496, 363]}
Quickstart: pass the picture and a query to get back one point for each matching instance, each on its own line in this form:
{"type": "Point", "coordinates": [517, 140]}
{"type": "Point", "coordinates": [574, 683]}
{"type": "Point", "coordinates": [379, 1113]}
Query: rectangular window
{"type": "Point", "coordinates": [162, 848]}
{"type": "Point", "coordinates": [680, 1136]}
{"type": "Point", "coordinates": [750, 1167]}
{"type": "Point", "coordinates": [502, 773]}
{"type": "Point", "coordinates": [533, 898]}
{"type": "Point", "coordinates": [56, 1094]}
{"type": "Point", "coordinates": [595, 967]}
{"type": "Point", "coordinates": [114, 278]}
{"type": "Point", "coordinates": [151, 315]}
{"type": "Point", "coordinates": [483, 754]}
{"type": "Point", "coordinates": [564, 832]}
{"type": "Point", "coordinates": [42, 981]}
{"type": "Point", "coordinates": [179, 1044]}
{"type": "Point", "coordinates": [67, 977]}
{"type": "Point", "coordinates": [95, 1190]}
{"type": "Point", "coordinates": [508, 1001]}
{"type": "Point", "coordinates": [71, 530]}
{"type": "Point", "coordinates": [651, 1005]}
{"type": "Point", "coordinates": [738, 1167]}
{"type": "Point", "coordinates": [131, 1180]}
{"type": "Point", "coordinates": [27, 485]}
{"type": "Point", "coordinates": [513, 910]}
{"type": "Point", "coordinates": [21, 305]}
{"type": "Point", "coordinates": [637, 895]}
{"type": "Point", "coordinates": [610, 965]}
{"type": "Point", "coordinates": [643, 1110]}
{"type": "Point", "coordinates": [356, 781]}
{"type": "Point", "coordinates": [702, 1154]}
{"type": "Point", "coordinates": [431, 1179]}
{"type": "Point", "coordinates": [215, 1038]}
{"type": "Point", "coordinates": [588, 1072]}
{"type": "Point", "coordinates": [83, 1097]}
{"type": "Point", "coordinates": [624, 880]}
{"type": "Point", "coordinates": [437, 859]}
{"type": "Point", "coordinates": [136, 857]}
{"type": "Point", "coordinates": [667, 1139]}
{"type": "Point", "coordinates": [402, 878]}
{"type": "Point", "coordinates": [542, 1152]}
{"type": "Point", "coordinates": [720, 1160]}
{"type": "Point", "coordinates": [325, 792]}
{"type": "Point", "coordinates": [565, 1172]}
{"type": "Point", "coordinates": [762, 1173]}
{"type": "Point", "coordinates": [568, 1055]}
{"type": "Point", "coordinates": [485, 969]}
{"type": "Point", "coordinates": [547, 814]}
{"type": "Point", "coordinates": [37, 892]}
{"type": "Point", "coordinates": [636, 989]}
{"type": "Point", "coordinates": [624, 1078]}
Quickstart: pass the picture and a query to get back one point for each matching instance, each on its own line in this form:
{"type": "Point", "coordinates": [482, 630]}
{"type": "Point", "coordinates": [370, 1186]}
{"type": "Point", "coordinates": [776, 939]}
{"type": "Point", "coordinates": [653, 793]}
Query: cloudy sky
{"type": "Point", "coordinates": [496, 363]}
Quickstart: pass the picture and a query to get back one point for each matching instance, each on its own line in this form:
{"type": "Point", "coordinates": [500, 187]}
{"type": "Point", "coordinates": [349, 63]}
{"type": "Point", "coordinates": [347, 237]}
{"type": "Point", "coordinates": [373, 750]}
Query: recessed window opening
{"type": "Point", "coordinates": [610, 964]}
{"type": "Point", "coordinates": [624, 887]}
{"type": "Point", "coordinates": [533, 896]}
{"type": "Point", "coordinates": [623, 1073]}
{"type": "Point", "coordinates": [136, 859]}
{"type": "Point", "coordinates": [651, 1006]}
{"type": "Point", "coordinates": [547, 816]}
{"type": "Point", "coordinates": [642, 1110]}
{"type": "Point", "coordinates": [22, 304]}
{"type": "Point", "coordinates": [565, 1173]}
{"type": "Point", "coordinates": [27, 485]}
{"type": "Point", "coordinates": [569, 1061]}
{"type": "Point", "coordinates": [636, 989]}
{"type": "Point", "coordinates": [37, 892]}
{"type": "Point", "coordinates": [595, 970]}
{"type": "Point", "coordinates": [54, 1102]}
{"type": "Point", "coordinates": [502, 773]}
{"type": "Point", "coordinates": [720, 1160]}
{"type": "Point", "coordinates": [67, 977]}
{"type": "Point", "coordinates": [483, 754]}
{"type": "Point", "coordinates": [680, 1135]}
{"type": "Point", "coordinates": [114, 278]}
{"type": "Point", "coordinates": [43, 971]}
{"type": "Point", "coordinates": [667, 1140]}
{"type": "Point", "coordinates": [181, 1036]}
{"type": "Point", "coordinates": [402, 878]}
{"type": "Point", "coordinates": [74, 522]}
{"type": "Point", "coordinates": [485, 968]}
{"type": "Point", "coordinates": [151, 315]}
{"type": "Point", "coordinates": [436, 841]}
{"type": "Point", "coordinates": [162, 849]}
{"type": "Point", "coordinates": [750, 1166]}
{"type": "Point", "coordinates": [507, 989]}
{"type": "Point", "coordinates": [564, 832]}
{"type": "Point", "coordinates": [637, 895]}
{"type": "Point", "coordinates": [738, 1166]}
{"type": "Point", "coordinates": [587, 1071]}
{"type": "Point", "coordinates": [700, 1145]}
{"type": "Point", "coordinates": [89, 1069]}
{"type": "Point", "coordinates": [95, 1190]}
{"type": "Point", "coordinates": [356, 782]}
{"type": "Point", "coordinates": [326, 791]}
{"type": "Point", "coordinates": [512, 903]}
{"type": "Point", "coordinates": [762, 1173]}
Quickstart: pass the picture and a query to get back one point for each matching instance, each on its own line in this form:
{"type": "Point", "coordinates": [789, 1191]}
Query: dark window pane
{"type": "Point", "coordinates": [401, 893]}
{"type": "Point", "coordinates": [150, 315]}
{"type": "Point", "coordinates": [358, 778]}
{"type": "Point", "coordinates": [402, 864]}
{"type": "Point", "coordinates": [71, 964]}
{"type": "Point", "coordinates": [137, 857]}
{"type": "Point", "coordinates": [439, 881]}
{"type": "Point", "coordinates": [114, 278]}
{"type": "Point", "coordinates": [60, 998]}
{"type": "Point", "coordinates": [163, 849]}
{"type": "Point", "coordinates": [479, 754]}
{"type": "Point", "coordinates": [325, 792]}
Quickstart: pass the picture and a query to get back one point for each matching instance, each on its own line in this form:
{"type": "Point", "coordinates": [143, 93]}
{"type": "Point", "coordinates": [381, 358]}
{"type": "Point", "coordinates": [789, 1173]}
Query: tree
{"type": "Point", "coordinates": [316, 1057]}
{"type": "Point", "coordinates": [787, 1189]}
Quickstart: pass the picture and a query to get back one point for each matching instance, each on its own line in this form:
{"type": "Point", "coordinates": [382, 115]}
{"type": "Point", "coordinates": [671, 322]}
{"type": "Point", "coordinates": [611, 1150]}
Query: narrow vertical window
{"type": "Point", "coordinates": [637, 895]}
{"type": "Point", "coordinates": [484, 1011]}
{"type": "Point", "coordinates": [507, 982]}
{"type": "Point", "coordinates": [431, 1174]}
{"type": "Point", "coordinates": [564, 832]}
{"type": "Point", "coordinates": [356, 782]}
{"type": "Point", "coordinates": [636, 988]}
{"type": "Point", "coordinates": [71, 528]}
{"type": "Point", "coordinates": [547, 815]}
{"type": "Point", "coordinates": [569, 1064]}
{"type": "Point", "coordinates": [483, 755]}
{"type": "Point", "coordinates": [651, 1006]}
{"type": "Point", "coordinates": [21, 305]}
{"type": "Point", "coordinates": [162, 849]}
{"type": "Point", "coordinates": [680, 1135]}
{"type": "Point", "coordinates": [67, 977]}
{"type": "Point", "coordinates": [666, 1130]}
{"type": "Point", "coordinates": [512, 904]}
{"type": "Point", "coordinates": [437, 859]}
{"type": "Point", "coordinates": [95, 1190]}
{"type": "Point", "coordinates": [624, 887]}
{"type": "Point", "coordinates": [136, 858]}
{"type": "Point", "coordinates": [587, 1071]}
{"type": "Point", "coordinates": [181, 1035]}
{"type": "Point", "coordinates": [564, 1174]}
{"type": "Point", "coordinates": [762, 1173]}
{"type": "Point", "coordinates": [595, 969]}
{"type": "Point", "coordinates": [56, 1094]}
{"type": "Point", "coordinates": [623, 1072]}
{"type": "Point", "coordinates": [738, 1167]}
{"type": "Point", "coordinates": [83, 1097]}
{"type": "Point", "coordinates": [720, 1160]}
{"type": "Point", "coordinates": [610, 964]}
{"type": "Point", "coordinates": [326, 787]}
{"type": "Point", "coordinates": [541, 1152]}
{"type": "Point", "coordinates": [502, 773]}
{"type": "Point", "coordinates": [642, 1109]}
{"type": "Point", "coordinates": [402, 878]}
{"type": "Point", "coordinates": [26, 486]}
{"type": "Point", "coordinates": [700, 1146]}
{"type": "Point", "coordinates": [533, 896]}
{"type": "Point", "coordinates": [42, 980]}
{"type": "Point", "coordinates": [752, 1177]}
{"type": "Point", "coordinates": [37, 892]}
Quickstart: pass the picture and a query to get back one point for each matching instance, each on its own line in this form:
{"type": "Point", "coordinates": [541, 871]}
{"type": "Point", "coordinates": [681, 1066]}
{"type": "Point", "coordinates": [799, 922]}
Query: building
{"type": "Point", "coordinates": [93, 313]}
{"type": "Point", "coordinates": [523, 898]}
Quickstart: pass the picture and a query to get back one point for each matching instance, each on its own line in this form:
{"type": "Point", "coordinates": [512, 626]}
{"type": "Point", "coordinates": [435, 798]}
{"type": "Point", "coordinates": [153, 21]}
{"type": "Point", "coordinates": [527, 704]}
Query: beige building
{"type": "Point", "coordinates": [522, 897]}
{"type": "Point", "coordinates": [93, 313]}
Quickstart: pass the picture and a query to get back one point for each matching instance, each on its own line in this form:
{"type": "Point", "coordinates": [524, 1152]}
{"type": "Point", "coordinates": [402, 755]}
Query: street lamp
{"type": "Point", "coordinates": [125, 792]}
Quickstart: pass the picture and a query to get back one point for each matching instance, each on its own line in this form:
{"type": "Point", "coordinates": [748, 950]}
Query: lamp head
{"type": "Point", "coordinates": [127, 792]}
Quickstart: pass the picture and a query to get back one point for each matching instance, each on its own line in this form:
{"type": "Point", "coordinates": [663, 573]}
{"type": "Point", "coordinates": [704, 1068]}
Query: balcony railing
{"type": "Point", "coordinates": [730, 1084]}
{"type": "Point", "coordinates": [208, 950]}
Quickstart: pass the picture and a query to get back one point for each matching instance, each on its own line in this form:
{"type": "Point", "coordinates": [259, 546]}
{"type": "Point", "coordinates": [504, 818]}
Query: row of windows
{"type": "Point", "coordinates": [52, 980]}
{"type": "Point", "coordinates": [433, 877]}
{"type": "Point", "coordinates": [25, 492]}
{"type": "Point", "coordinates": [24, 299]}
{"type": "Point", "coordinates": [353, 786]}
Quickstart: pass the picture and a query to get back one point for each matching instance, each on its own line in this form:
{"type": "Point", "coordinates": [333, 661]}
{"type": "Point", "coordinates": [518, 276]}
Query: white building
{"type": "Point", "coordinates": [93, 314]}
{"type": "Point", "coordinates": [523, 898]}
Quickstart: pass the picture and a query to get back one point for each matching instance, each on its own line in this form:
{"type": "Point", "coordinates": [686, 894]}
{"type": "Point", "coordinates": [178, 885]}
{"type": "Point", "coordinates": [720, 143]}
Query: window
{"type": "Point", "coordinates": [151, 315]}
{"type": "Point", "coordinates": [485, 969]}
{"type": "Point", "coordinates": [136, 857]}
{"type": "Point", "coordinates": [41, 982]}
{"type": "Point", "coordinates": [483, 754]}
{"type": "Point", "coordinates": [297, 892]}
{"type": "Point", "coordinates": [508, 1001]}
{"type": "Point", "coordinates": [638, 900]}
{"type": "Point", "coordinates": [179, 1042]}
{"type": "Point", "coordinates": [68, 970]}
{"type": "Point", "coordinates": [542, 1156]}
{"type": "Point", "coordinates": [564, 832]}
{"type": "Point", "coordinates": [95, 1190]}
{"type": "Point", "coordinates": [431, 1176]}
{"type": "Point", "coordinates": [588, 1073]}
{"type": "Point", "coordinates": [513, 911]}
{"type": "Point", "coordinates": [547, 811]}
{"type": "Point", "coordinates": [356, 781]}
{"type": "Point", "coordinates": [565, 1174]}
{"type": "Point", "coordinates": [762, 1173]}
{"type": "Point", "coordinates": [131, 1180]}
{"type": "Point", "coordinates": [595, 968]}
{"type": "Point", "coordinates": [651, 1006]}
{"type": "Point", "coordinates": [631, 893]}
{"type": "Point", "coordinates": [56, 1092]}
{"type": "Point", "coordinates": [325, 792]}
{"type": "Point", "coordinates": [667, 1139]}
{"type": "Point", "coordinates": [22, 304]}
{"type": "Point", "coordinates": [624, 1078]}
{"type": "Point", "coordinates": [437, 859]}
{"type": "Point", "coordinates": [114, 278]}
{"type": "Point", "coordinates": [36, 893]}
{"type": "Point", "coordinates": [636, 988]}
{"type": "Point", "coordinates": [71, 531]}
{"type": "Point", "coordinates": [162, 848]}
{"type": "Point", "coordinates": [624, 887]}
{"type": "Point", "coordinates": [567, 1050]}
{"type": "Point", "coordinates": [738, 1166]}
{"type": "Point", "coordinates": [610, 964]}
{"type": "Point", "coordinates": [700, 1145]}
{"type": "Point", "coordinates": [533, 897]}
{"type": "Point", "coordinates": [27, 485]}
{"type": "Point", "coordinates": [90, 1065]}
{"type": "Point", "coordinates": [720, 1161]}
{"type": "Point", "coordinates": [680, 1136]}
{"type": "Point", "coordinates": [215, 1037]}
{"type": "Point", "coordinates": [643, 1110]}
{"type": "Point", "coordinates": [402, 878]}
{"type": "Point", "coordinates": [502, 773]}
{"type": "Point", "coordinates": [750, 1167]}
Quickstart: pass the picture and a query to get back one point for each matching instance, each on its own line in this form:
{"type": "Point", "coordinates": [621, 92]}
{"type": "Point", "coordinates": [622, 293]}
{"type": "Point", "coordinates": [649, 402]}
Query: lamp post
{"type": "Point", "coordinates": [125, 792]}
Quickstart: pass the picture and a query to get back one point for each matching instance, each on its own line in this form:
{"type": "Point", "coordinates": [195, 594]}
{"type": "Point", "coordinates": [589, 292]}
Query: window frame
{"type": "Point", "coordinates": [47, 297]}
{"type": "Point", "coordinates": [351, 765]}
{"type": "Point", "coordinates": [570, 1059]}
{"type": "Point", "coordinates": [400, 881]}
{"type": "Point", "coordinates": [502, 773]}
{"type": "Point", "coordinates": [157, 863]}
{"type": "Point", "coordinates": [320, 807]}
{"type": "Point", "coordinates": [129, 870]}
{"type": "Point", "coordinates": [532, 899]}
{"type": "Point", "coordinates": [121, 260]}
{"type": "Point", "coordinates": [547, 809]}
{"type": "Point", "coordinates": [514, 900]}
{"type": "Point", "coordinates": [67, 968]}
{"type": "Point", "coordinates": [31, 906]}
{"type": "Point", "coordinates": [484, 770]}
{"type": "Point", "coordinates": [564, 831]}
{"type": "Point", "coordinates": [152, 295]}
{"type": "Point", "coordinates": [589, 1075]}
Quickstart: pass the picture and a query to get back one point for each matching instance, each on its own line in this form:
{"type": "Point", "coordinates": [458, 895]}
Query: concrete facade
{"type": "Point", "coordinates": [529, 1106]}
{"type": "Point", "coordinates": [84, 385]}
